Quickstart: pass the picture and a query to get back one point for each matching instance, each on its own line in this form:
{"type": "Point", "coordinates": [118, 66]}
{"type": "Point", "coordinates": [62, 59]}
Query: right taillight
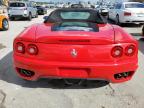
{"type": "Point", "coordinates": [127, 13]}
{"type": "Point", "coordinates": [32, 49]}
{"type": "Point", "coordinates": [117, 51]}
{"type": "Point", "coordinates": [130, 50]}
{"type": "Point", "coordinates": [20, 47]}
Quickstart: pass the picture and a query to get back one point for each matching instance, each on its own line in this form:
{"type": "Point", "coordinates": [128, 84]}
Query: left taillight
{"type": "Point", "coordinates": [117, 51]}
{"type": "Point", "coordinates": [20, 47]}
{"type": "Point", "coordinates": [32, 49]}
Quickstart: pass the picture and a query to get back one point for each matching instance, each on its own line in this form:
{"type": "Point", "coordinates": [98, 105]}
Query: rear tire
{"type": "Point", "coordinates": [30, 17]}
{"type": "Point", "coordinates": [117, 20]}
{"type": "Point", "coordinates": [5, 24]}
{"type": "Point", "coordinates": [36, 15]}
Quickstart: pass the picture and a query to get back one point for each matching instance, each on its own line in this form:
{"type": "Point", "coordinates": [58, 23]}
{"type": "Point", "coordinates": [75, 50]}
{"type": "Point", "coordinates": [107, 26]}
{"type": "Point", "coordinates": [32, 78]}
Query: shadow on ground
{"type": "Point", "coordinates": [7, 73]}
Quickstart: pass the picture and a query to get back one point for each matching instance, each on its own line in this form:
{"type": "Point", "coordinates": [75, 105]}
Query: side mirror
{"type": "Point", "coordinates": [104, 12]}
{"type": "Point", "coordinates": [45, 17]}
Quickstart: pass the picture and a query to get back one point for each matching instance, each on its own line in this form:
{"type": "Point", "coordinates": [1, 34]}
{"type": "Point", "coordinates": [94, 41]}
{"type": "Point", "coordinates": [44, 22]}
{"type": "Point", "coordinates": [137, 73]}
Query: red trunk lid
{"type": "Point", "coordinates": [104, 34]}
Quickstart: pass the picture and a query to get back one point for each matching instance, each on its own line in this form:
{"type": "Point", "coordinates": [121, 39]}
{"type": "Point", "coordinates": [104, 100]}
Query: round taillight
{"type": "Point", "coordinates": [117, 51]}
{"type": "Point", "coordinates": [20, 48]}
{"type": "Point", "coordinates": [32, 49]}
{"type": "Point", "coordinates": [130, 50]}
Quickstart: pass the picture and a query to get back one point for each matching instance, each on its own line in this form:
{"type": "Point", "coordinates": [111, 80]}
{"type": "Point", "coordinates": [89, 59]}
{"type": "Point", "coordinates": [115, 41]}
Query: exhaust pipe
{"type": "Point", "coordinates": [26, 73]}
{"type": "Point", "coordinates": [125, 75]}
{"type": "Point", "coordinates": [118, 76]}
{"type": "Point", "coordinates": [122, 75]}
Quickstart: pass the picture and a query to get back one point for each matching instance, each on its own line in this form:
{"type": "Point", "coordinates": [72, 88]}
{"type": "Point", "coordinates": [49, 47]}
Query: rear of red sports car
{"type": "Point", "coordinates": [77, 49]}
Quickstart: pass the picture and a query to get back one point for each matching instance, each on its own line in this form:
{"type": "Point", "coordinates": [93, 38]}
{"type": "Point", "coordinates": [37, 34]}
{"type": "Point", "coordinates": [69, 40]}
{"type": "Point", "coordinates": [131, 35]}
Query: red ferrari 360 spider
{"type": "Point", "coordinates": [75, 44]}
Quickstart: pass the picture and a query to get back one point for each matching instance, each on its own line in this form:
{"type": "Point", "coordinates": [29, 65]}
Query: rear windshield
{"type": "Point", "coordinates": [134, 5]}
{"type": "Point", "coordinates": [17, 4]}
{"type": "Point", "coordinates": [75, 26]}
{"type": "Point", "coordinates": [75, 15]}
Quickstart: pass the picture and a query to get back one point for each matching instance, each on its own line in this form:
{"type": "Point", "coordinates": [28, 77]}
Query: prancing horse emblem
{"type": "Point", "coordinates": [74, 53]}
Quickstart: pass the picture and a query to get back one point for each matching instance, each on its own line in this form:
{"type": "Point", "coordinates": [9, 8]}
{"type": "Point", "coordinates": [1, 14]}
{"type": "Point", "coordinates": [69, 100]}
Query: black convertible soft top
{"type": "Point", "coordinates": [95, 16]}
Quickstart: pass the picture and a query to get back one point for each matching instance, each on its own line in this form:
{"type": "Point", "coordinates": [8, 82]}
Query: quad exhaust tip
{"type": "Point", "coordinates": [122, 75]}
{"type": "Point", "coordinates": [26, 73]}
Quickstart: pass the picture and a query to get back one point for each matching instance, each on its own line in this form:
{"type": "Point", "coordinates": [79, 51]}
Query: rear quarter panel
{"type": "Point", "coordinates": [28, 34]}
{"type": "Point", "coordinates": [122, 38]}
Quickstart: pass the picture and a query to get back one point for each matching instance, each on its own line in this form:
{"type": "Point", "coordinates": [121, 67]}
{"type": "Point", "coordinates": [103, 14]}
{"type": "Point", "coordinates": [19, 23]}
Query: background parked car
{"type": "Point", "coordinates": [4, 25]}
{"type": "Point", "coordinates": [77, 6]}
{"type": "Point", "coordinates": [41, 10]}
{"type": "Point", "coordinates": [104, 12]}
{"type": "Point", "coordinates": [127, 12]}
{"type": "Point", "coordinates": [66, 6]}
{"type": "Point", "coordinates": [22, 9]}
{"type": "Point", "coordinates": [59, 5]}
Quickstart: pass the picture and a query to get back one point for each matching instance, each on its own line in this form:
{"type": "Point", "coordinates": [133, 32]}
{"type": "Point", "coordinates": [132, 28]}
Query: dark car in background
{"type": "Point", "coordinates": [41, 10]}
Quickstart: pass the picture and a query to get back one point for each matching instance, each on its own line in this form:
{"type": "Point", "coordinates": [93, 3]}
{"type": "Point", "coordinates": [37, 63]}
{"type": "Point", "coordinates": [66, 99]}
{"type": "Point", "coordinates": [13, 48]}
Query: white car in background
{"type": "Point", "coordinates": [127, 12]}
{"type": "Point", "coordinates": [22, 9]}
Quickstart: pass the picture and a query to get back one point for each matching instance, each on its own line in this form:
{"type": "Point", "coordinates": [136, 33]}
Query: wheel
{"type": "Point", "coordinates": [117, 20]}
{"type": "Point", "coordinates": [5, 24]}
{"type": "Point", "coordinates": [30, 17]}
{"type": "Point", "coordinates": [36, 15]}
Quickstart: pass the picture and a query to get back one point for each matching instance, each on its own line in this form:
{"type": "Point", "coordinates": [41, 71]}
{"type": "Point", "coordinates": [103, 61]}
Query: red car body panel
{"type": "Point", "coordinates": [93, 60]}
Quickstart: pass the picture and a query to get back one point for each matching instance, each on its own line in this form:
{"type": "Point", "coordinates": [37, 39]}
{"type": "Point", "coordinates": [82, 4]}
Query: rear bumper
{"type": "Point", "coordinates": [19, 16]}
{"type": "Point", "coordinates": [82, 70]}
{"type": "Point", "coordinates": [132, 19]}
{"type": "Point", "coordinates": [40, 11]}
